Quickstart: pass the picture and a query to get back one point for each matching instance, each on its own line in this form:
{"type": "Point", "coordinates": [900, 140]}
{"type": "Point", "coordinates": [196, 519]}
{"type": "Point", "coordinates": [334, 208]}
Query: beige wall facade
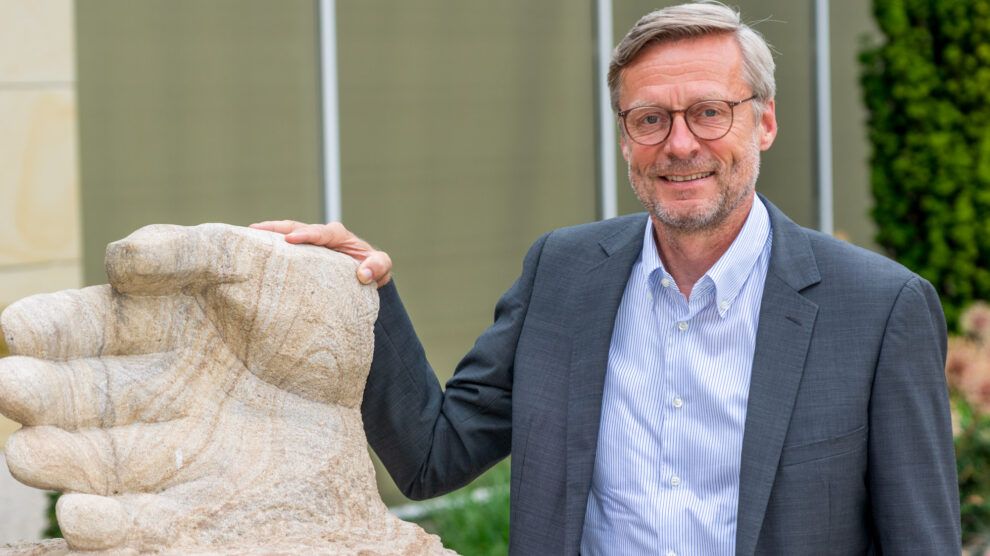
{"type": "Point", "coordinates": [39, 187]}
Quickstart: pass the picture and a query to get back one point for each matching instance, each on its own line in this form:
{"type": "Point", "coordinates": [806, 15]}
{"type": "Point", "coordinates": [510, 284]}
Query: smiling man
{"type": "Point", "coordinates": [706, 379]}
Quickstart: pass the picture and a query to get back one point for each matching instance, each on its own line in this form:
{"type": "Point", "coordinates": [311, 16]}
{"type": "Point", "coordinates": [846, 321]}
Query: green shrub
{"type": "Point", "coordinates": [927, 90]}
{"type": "Point", "coordinates": [52, 531]}
{"type": "Point", "coordinates": [474, 520]}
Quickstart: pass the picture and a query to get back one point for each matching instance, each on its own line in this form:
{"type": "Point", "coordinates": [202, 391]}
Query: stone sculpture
{"type": "Point", "coordinates": [206, 401]}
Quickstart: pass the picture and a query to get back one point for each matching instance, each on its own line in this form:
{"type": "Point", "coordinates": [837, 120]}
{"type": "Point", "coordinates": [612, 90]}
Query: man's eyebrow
{"type": "Point", "coordinates": [693, 100]}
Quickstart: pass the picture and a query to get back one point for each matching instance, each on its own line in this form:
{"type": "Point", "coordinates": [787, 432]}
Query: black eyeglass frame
{"type": "Point", "coordinates": [732, 118]}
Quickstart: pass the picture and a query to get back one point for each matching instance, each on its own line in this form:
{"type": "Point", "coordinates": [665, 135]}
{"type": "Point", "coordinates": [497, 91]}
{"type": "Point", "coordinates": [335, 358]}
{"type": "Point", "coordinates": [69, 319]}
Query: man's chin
{"type": "Point", "coordinates": [687, 216]}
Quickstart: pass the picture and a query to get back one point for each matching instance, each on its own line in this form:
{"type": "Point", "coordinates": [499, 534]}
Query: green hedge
{"type": "Point", "coordinates": [474, 521]}
{"type": "Point", "coordinates": [927, 89]}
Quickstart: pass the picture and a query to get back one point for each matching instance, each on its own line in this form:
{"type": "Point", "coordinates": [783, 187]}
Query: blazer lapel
{"type": "Point", "coordinates": [599, 292]}
{"type": "Point", "coordinates": [786, 322]}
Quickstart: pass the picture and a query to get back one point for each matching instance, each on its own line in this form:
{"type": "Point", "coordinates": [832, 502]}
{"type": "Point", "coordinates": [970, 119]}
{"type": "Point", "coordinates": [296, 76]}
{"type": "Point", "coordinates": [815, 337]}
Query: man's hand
{"type": "Point", "coordinates": [209, 398]}
{"type": "Point", "coordinates": [374, 265]}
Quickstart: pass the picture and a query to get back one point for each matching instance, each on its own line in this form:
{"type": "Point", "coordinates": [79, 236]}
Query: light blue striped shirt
{"type": "Point", "coordinates": [666, 478]}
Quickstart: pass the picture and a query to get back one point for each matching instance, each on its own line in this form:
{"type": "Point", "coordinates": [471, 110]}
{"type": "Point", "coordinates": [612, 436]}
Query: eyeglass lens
{"type": "Point", "coordinates": [709, 120]}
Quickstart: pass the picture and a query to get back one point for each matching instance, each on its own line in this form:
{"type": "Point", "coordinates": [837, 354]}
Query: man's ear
{"type": "Point", "coordinates": [768, 125]}
{"type": "Point", "coordinates": [625, 145]}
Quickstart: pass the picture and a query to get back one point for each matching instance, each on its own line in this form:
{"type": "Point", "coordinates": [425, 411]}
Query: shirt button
{"type": "Point", "coordinates": [665, 283]}
{"type": "Point", "coordinates": [723, 305]}
{"type": "Point", "coordinates": [682, 326]}
{"type": "Point", "coordinates": [678, 402]}
{"type": "Point", "coordinates": [671, 553]}
{"type": "Point", "coordinates": [675, 481]}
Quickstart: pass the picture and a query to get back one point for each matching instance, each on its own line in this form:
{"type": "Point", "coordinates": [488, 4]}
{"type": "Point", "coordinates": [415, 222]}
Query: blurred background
{"type": "Point", "coordinates": [467, 129]}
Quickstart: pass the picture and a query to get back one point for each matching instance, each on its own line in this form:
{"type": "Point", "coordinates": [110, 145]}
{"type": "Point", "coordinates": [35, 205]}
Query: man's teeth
{"type": "Point", "coordinates": [689, 178]}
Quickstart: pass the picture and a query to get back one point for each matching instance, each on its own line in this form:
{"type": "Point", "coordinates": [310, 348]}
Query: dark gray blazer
{"type": "Point", "coordinates": [847, 446]}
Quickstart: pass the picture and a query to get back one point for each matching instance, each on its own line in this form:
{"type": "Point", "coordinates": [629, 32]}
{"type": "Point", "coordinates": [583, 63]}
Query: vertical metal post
{"type": "Point", "coordinates": [607, 203]}
{"type": "Point", "coordinates": [330, 112]}
{"type": "Point", "coordinates": [823, 82]}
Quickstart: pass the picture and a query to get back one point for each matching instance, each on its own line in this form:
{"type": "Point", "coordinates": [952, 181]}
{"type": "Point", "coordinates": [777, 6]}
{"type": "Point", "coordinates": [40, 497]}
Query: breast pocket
{"type": "Point", "coordinates": [824, 449]}
{"type": "Point", "coordinates": [817, 505]}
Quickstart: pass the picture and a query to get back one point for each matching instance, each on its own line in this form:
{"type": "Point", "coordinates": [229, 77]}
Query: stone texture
{"type": "Point", "coordinates": [207, 401]}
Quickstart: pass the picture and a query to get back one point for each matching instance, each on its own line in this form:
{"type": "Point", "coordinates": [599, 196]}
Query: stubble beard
{"type": "Point", "coordinates": [710, 215]}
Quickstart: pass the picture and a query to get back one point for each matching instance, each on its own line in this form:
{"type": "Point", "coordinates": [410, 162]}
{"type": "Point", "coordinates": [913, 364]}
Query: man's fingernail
{"type": "Point", "coordinates": [364, 275]}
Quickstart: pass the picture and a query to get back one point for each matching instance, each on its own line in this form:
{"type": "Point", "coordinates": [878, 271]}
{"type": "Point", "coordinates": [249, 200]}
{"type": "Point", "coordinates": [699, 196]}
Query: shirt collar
{"type": "Point", "coordinates": [732, 269]}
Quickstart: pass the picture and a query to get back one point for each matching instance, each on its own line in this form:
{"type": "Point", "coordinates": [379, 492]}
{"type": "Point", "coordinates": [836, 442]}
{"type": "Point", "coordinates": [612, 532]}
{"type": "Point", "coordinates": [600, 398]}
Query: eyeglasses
{"type": "Point", "coordinates": [707, 120]}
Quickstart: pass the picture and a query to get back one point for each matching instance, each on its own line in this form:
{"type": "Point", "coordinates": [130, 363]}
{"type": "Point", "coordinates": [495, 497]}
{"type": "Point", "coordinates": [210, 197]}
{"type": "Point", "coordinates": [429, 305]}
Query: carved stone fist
{"type": "Point", "coordinates": [206, 401]}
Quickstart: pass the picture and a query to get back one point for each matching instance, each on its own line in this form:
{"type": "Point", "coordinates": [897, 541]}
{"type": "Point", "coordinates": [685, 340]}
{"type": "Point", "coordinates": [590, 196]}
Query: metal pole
{"type": "Point", "coordinates": [607, 203]}
{"type": "Point", "coordinates": [330, 112]}
{"type": "Point", "coordinates": [823, 81]}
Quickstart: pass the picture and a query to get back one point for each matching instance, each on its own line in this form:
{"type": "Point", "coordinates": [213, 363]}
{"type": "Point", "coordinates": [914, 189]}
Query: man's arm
{"type": "Point", "coordinates": [431, 441]}
{"type": "Point", "coordinates": [914, 491]}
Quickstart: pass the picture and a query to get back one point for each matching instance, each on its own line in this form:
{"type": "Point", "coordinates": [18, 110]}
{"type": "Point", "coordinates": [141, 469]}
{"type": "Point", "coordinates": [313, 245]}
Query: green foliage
{"type": "Point", "coordinates": [927, 89]}
{"type": "Point", "coordinates": [475, 519]}
{"type": "Point", "coordinates": [972, 461]}
{"type": "Point", "coordinates": [53, 531]}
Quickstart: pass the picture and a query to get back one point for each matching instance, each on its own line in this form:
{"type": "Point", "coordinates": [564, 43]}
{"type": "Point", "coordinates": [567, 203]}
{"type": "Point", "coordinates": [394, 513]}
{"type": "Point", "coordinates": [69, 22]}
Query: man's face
{"type": "Point", "coordinates": [688, 184]}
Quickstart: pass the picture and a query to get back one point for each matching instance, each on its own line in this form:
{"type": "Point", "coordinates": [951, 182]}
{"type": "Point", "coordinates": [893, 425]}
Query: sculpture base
{"type": "Point", "coordinates": [58, 547]}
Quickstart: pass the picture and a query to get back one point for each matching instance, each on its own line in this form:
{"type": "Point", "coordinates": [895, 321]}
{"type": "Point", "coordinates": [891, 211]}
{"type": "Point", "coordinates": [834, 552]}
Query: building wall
{"type": "Point", "coordinates": [39, 189]}
{"type": "Point", "coordinates": [39, 184]}
{"type": "Point", "coordinates": [195, 112]}
{"type": "Point", "coordinates": [851, 23]}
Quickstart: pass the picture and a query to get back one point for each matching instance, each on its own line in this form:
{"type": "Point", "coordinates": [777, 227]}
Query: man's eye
{"type": "Point", "coordinates": [709, 113]}
{"type": "Point", "coordinates": [651, 119]}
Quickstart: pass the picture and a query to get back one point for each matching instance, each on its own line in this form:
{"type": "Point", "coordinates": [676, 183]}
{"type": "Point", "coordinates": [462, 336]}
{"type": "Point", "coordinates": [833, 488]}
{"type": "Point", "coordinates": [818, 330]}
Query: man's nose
{"type": "Point", "coordinates": [681, 143]}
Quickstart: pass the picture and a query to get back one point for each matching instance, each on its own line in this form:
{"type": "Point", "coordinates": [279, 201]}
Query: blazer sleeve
{"type": "Point", "coordinates": [433, 441]}
{"type": "Point", "coordinates": [914, 491]}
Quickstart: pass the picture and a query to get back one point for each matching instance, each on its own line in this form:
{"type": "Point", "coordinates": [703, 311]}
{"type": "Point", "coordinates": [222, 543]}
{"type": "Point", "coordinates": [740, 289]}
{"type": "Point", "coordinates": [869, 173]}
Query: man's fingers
{"type": "Point", "coordinates": [377, 267]}
{"type": "Point", "coordinates": [280, 226]}
{"type": "Point", "coordinates": [90, 522]}
{"type": "Point", "coordinates": [333, 235]}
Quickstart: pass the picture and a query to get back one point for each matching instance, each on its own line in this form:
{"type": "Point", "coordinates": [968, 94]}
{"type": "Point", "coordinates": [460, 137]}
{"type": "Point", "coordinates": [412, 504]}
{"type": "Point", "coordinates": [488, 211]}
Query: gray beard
{"type": "Point", "coordinates": [706, 219]}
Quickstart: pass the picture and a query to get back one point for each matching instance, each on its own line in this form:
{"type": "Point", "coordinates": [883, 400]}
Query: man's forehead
{"type": "Point", "coordinates": [704, 67]}
{"type": "Point", "coordinates": [718, 52]}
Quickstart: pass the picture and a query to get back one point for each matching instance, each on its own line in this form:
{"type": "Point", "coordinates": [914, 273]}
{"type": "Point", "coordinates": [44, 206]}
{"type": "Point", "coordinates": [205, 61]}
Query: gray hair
{"type": "Point", "coordinates": [697, 20]}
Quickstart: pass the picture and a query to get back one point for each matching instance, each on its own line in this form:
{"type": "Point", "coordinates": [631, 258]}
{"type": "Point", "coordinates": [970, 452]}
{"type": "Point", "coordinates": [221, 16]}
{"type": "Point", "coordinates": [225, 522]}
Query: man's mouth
{"type": "Point", "coordinates": [689, 177]}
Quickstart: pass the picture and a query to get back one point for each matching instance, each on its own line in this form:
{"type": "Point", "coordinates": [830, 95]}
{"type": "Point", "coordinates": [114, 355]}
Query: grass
{"type": "Point", "coordinates": [473, 521]}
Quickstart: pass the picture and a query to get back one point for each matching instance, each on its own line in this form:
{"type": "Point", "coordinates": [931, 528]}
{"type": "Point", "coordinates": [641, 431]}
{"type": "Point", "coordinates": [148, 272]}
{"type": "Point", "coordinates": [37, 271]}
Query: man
{"type": "Point", "coordinates": [711, 379]}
